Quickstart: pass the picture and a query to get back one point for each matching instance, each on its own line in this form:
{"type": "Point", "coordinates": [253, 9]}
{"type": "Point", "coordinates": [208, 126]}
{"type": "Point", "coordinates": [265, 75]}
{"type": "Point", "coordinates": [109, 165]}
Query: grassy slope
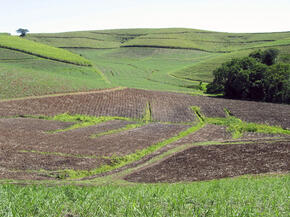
{"type": "Point", "coordinates": [220, 47]}
{"type": "Point", "coordinates": [42, 50]}
{"type": "Point", "coordinates": [26, 75]}
{"type": "Point", "coordinates": [211, 41]}
{"type": "Point", "coordinates": [89, 39]}
{"type": "Point", "coordinates": [150, 68]}
{"type": "Point", "coordinates": [146, 68]}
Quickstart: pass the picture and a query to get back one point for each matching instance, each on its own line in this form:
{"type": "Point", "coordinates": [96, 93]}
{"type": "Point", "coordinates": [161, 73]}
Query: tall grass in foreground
{"type": "Point", "coordinates": [244, 196]}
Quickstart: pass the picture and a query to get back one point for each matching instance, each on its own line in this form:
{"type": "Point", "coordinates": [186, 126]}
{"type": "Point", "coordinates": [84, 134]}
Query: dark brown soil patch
{"type": "Point", "coordinates": [80, 142]}
{"type": "Point", "coordinates": [217, 161]}
{"type": "Point", "coordinates": [74, 146]}
{"type": "Point", "coordinates": [208, 133]}
{"type": "Point", "coordinates": [18, 160]}
{"type": "Point", "coordinates": [25, 144]}
{"type": "Point", "coordinates": [165, 106]}
{"type": "Point", "coordinates": [22, 175]}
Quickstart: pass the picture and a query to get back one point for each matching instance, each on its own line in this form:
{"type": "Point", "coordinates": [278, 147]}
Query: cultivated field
{"type": "Point", "coordinates": [41, 50]}
{"type": "Point", "coordinates": [84, 135]}
{"type": "Point", "coordinates": [153, 59]}
{"type": "Point", "coordinates": [125, 110]}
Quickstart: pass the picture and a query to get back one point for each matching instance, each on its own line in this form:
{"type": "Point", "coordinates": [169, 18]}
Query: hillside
{"type": "Point", "coordinates": [23, 75]}
{"type": "Point", "coordinates": [99, 138]}
{"type": "Point", "coordinates": [41, 50]}
{"type": "Point", "coordinates": [217, 42]}
{"type": "Point", "coordinates": [217, 46]}
{"type": "Point", "coordinates": [155, 59]}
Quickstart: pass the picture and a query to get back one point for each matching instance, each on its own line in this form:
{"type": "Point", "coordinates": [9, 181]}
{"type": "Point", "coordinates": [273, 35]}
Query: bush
{"type": "Point", "coordinates": [254, 77]}
{"type": "Point", "coordinates": [267, 57]}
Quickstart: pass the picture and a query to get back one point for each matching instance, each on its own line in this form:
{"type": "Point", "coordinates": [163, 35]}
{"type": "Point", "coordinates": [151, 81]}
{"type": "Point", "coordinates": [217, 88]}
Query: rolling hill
{"type": "Point", "coordinates": [174, 59]}
{"type": "Point", "coordinates": [120, 111]}
{"type": "Point", "coordinates": [41, 50]}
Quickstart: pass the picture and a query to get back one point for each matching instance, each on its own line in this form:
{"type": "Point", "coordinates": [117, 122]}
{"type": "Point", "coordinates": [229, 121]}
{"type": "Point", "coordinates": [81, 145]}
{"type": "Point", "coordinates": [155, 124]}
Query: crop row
{"type": "Point", "coordinates": [41, 50]}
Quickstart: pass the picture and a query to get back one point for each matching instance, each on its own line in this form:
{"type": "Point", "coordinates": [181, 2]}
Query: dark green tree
{"type": "Point", "coordinates": [254, 77]}
{"type": "Point", "coordinates": [22, 32]}
{"type": "Point", "coordinates": [277, 83]}
{"type": "Point", "coordinates": [267, 57]}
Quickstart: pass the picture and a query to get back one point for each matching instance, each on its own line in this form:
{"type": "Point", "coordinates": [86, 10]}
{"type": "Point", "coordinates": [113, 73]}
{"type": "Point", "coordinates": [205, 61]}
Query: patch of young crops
{"type": "Point", "coordinates": [41, 50]}
{"type": "Point", "coordinates": [243, 196]}
{"type": "Point", "coordinates": [22, 75]}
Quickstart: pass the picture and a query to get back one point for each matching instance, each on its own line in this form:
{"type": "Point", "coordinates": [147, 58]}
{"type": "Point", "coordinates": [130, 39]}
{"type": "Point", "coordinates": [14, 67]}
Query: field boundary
{"type": "Point", "coordinates": [155, 160]}
{"type": "Point", "coordinates": [173, 47]}
{"type": "Point", "coordinates": [44, 57]}
{"type": "Point", "coordinates": [66, 94]}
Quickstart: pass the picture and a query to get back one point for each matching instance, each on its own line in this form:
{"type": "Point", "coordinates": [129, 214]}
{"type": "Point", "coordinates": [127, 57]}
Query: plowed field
{"type": "Point", "coordinates": [32, 147]}
{"type": "Point", "coordinates": [218, 161]}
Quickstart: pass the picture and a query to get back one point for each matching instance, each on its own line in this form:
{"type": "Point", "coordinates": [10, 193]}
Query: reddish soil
{"type": "Point", "coordinates": [217, 161]}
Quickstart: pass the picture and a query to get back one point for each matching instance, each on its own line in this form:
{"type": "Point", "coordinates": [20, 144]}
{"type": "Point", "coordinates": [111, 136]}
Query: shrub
{"type": "Point", "coordinates": [254, 77]}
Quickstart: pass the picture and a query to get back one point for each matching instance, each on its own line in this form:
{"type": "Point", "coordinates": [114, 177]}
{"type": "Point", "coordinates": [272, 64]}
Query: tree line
{"type": "Point", "coordinates": [256, 77]}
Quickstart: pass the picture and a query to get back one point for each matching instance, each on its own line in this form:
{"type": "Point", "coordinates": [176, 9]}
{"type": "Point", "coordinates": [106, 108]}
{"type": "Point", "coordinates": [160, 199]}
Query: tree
{"type": "Point", "coordinates": [22, 32]}
{"type": "Point", "coordinates": [277, 82]}
{"type": "Point", "coordinates": [267, 57]}
{"type": "Point", "coordinates": [254, 77]}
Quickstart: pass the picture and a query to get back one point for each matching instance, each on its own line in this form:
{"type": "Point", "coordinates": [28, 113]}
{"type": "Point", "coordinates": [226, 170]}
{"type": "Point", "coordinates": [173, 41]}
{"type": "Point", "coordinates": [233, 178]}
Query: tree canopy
{"type": "Point", "coordinates": [257, 77]}
{"type": "Point", "coordinates": [22, 32]}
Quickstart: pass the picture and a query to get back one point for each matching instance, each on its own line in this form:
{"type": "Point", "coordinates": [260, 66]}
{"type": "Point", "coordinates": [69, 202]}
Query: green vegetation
{"type": "Point", "coordinates": [22, 32]}
{"type": "Point", "coordinates": [26, 75]}
{"type": "Point", "coordinates": [83, 120]}
{"type": "Point", "coordinates": [119, 130]}
{"type": "Point", "coordinates": [117, 161]}
{"type": "Point", "coordinates": [255, 77]}
{"type": "Point", "coordinates": [243, 196]}
{"type": "Point", "coordinates": [145, 68]}
{"type": "Point", "coordinates": [153, 68]}
{"type": "Point", "coordinates": [136, 58]}
{"type": "Point", "coordinates": [208, 41]}
{"type": "Point", "coordinates": [236, 126]}
{"type": "Point", "coordinates": [41, 50]}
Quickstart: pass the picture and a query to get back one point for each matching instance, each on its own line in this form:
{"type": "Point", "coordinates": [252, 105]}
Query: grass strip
{"type": "Point", "coordinates": [119, 130]}
{"type": "Point", "coordinates": [83, 120]}
{"type": "Point", "coordinates": [41, 50]}
{"type": "Point", "coordinates": [237, 127]}
{"type": "Point", "coordinates": [233, 124]}
{"type": "Point", "coordinates": [117, 162]}
{"type": "Point", "coordinates": [148, 114]}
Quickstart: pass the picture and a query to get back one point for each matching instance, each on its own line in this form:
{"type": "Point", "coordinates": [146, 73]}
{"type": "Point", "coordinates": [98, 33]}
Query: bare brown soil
{"type": "Point", "coordinates": [217, 161]}
{"type": "Point", "coordinates": [165, 107]}
{"type": "Point", "coordinates": [27, 145]}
